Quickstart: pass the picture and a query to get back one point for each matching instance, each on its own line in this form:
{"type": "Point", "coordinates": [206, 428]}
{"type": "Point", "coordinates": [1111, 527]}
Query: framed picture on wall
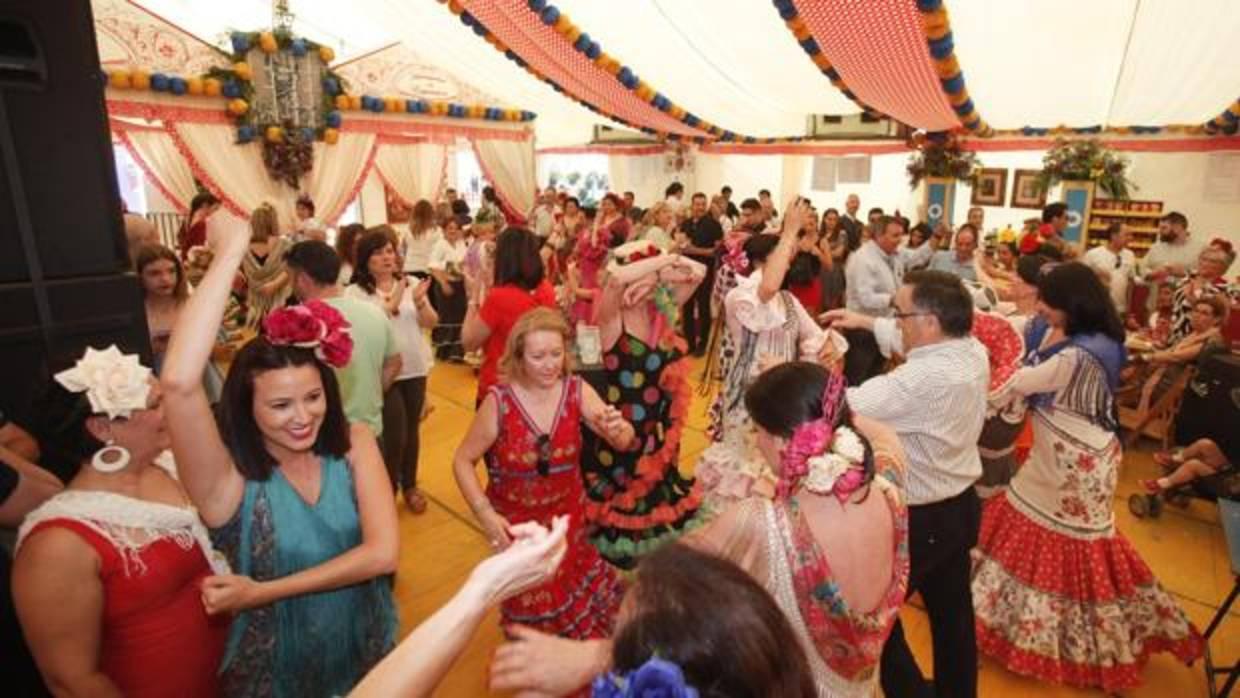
{"type": "Point", "coordinates": [1025, 192]}
{"type": "Point", "coordinates": [989, 187]}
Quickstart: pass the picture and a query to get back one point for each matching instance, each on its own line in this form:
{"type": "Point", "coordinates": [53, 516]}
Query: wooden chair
{"type": "Point", "coordinates": [1156, 420]}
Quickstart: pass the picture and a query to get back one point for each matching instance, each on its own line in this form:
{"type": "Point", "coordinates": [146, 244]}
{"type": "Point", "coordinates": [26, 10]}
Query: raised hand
{"type": "Point", "coordinates": [226, 232]}
{"type": "Point", "coordinates": [532, 558]}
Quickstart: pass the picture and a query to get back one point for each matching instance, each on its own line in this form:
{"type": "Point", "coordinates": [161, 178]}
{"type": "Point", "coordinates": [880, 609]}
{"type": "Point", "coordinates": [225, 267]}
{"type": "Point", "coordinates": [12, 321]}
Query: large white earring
{"type": "Point", "coordinates": [110, 458]}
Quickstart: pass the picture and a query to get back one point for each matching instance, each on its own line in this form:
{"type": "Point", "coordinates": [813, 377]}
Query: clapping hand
{"type": "Point", "coordinates": [420, 291]}
{"type": "Point", "coordinates": [532, 558]}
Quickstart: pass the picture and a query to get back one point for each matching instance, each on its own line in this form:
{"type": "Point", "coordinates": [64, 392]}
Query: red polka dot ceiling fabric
{"type": "Point", "coordinates": [544, 49]}
{"type": "Point", "coordinates": [879, 49]}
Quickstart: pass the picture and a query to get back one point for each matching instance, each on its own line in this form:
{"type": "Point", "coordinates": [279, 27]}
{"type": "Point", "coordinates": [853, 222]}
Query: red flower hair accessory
{"type": "Point", "coordinates": [1224, 245]}
{"type": "Point", "coordinates": [312, 325]}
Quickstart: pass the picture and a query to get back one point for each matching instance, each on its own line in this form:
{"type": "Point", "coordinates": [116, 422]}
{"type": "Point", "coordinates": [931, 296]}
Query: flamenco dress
{"type": "Point", "coordinates": [1059, 593]}
{"type": "Point", "coordinates": [580, 602]}
{"type": "Point", "coordinates": [638, 500]}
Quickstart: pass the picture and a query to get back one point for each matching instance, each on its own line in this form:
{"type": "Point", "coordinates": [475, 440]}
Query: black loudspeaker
{"type": "Point", "coordinates": [1211, 407]}
{"type": "Point", "coordinates": [64, 280]}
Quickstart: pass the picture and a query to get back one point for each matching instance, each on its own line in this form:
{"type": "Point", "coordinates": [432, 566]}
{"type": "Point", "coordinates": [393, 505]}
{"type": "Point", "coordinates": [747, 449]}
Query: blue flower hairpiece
{"type": "Point", "coordinates": [657, 678]}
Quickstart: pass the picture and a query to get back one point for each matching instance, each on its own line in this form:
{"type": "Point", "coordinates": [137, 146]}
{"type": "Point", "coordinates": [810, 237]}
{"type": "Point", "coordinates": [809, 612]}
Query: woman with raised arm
{"type": "Point", "coordinates": [298, 501]}
{"type": "Point", "coordinates": [768, 326]}
{"type": "Point", "coordinates": [528, 428]}
{"type": "Point", "coordinates": [638, 500]}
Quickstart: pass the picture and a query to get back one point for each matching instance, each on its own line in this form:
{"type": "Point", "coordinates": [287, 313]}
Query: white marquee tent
{"type": "Point", "coordinates": [1047, 66]}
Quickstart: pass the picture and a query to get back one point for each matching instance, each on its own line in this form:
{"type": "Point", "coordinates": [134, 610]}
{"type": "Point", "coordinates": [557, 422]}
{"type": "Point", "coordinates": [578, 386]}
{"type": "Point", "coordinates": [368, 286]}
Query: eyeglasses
{"type": "Point", "coordinates": [900, 316]}
{"type": "Point", "coordinates": [543, 466]}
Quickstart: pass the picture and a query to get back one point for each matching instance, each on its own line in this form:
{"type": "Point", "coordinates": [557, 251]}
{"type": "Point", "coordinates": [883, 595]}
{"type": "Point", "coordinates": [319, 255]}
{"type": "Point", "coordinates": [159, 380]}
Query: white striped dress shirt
{"type": "Point", "coordinates": [936, 403]}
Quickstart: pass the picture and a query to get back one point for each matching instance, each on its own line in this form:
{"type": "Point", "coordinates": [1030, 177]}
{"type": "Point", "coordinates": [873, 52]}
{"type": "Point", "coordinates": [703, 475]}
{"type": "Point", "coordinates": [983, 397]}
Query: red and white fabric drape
{"type": "Point", "coordinates": [236, 174]}
{"type": "Point", "coordinates": [415, 171]}
{"type": "Point", "coordinates": [509, 166]}
{"type": "Point", "coordinates": [157, 155]}
{"type": "Point", "coordinates": [338, 174]}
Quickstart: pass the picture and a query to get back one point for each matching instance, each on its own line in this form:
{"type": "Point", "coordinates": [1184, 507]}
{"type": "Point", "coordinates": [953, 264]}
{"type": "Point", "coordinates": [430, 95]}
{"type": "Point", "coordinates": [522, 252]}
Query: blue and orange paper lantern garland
{"type": "Point", "coordinates": [938, 30]}
{"type": "Point", "coordinates": [583, 43]}
{"type": "Point", "coordinates": [1226, 122]}
{"type": "Point", "coordinates": [805, 39]}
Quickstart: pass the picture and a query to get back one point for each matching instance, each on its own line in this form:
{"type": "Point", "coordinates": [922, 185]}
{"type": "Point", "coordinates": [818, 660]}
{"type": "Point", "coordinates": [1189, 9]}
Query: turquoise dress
{"type": "Point", "coordinates": [318, 644]}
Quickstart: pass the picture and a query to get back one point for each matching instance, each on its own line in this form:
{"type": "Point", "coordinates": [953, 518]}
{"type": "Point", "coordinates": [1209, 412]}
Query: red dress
{"type": "Point", "coordinates": [501, 309]}
{"type": "Point", "coordinates": [157, 640]}
{"type": "Point", "coordinates": [581, 601]}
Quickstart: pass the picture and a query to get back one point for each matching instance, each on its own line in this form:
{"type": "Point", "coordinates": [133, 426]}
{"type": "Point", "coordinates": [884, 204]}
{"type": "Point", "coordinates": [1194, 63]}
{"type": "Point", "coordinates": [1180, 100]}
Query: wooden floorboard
{"type": "Point", "coordinates": [1185, 549]}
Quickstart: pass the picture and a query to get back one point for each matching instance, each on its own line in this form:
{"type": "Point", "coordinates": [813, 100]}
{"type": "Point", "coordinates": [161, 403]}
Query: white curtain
{"type": "Point", "coordinates": [793, 180]}
{"type": "Point", "coordinates": [644, 175]}
{"type": "Point", "coordinates": [234, 172]}
{"type": "Point", "coordinates": [510, 167]}
{"type": "Point", "coordinates": [416, 170]}
{"type": "Point", "coordinates": [338, 173]}
{"type": "Point", "coordinates": [161, 160]}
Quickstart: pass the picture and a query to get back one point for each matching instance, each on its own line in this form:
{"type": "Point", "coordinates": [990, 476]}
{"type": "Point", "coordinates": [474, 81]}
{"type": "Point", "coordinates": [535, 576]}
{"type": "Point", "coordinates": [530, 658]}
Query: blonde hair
{"type": "Point", "coordinates": [264, 223]}
{"type": "Point", "coordinates": [652, 213]}
{"type": "Point", "coordinates": [511, 365]}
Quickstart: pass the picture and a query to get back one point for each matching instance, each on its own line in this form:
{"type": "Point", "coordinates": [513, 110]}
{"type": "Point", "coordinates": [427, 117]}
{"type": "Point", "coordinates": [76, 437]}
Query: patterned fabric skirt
{"type": "Point", "coordinates": [579, 603]}
{"type": "Point", "coordinates": [1085, 612]}
{"type": "Point", "coordinates": [638, 500]}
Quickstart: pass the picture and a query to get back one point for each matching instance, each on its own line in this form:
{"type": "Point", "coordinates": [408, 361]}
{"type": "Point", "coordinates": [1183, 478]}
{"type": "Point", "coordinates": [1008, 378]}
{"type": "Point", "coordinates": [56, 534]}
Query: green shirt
{"type": "Point", "coordinates": [361, 380]}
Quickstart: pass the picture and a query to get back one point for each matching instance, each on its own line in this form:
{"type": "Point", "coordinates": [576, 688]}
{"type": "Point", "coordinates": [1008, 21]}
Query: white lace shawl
{"type": "Point", "coordinates": [128, 524]}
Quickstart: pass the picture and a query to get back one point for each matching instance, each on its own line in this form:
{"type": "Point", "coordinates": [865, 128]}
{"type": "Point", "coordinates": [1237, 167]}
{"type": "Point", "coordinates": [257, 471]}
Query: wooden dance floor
{"type": "Point", "coordinates": [1185, 548]}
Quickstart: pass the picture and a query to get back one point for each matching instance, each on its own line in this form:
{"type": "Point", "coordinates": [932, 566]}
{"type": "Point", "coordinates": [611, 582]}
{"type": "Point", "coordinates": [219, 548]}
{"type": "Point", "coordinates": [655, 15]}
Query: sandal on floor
{"type": "Point", "coordinates": [415, 501]}
{"type": "Point", "coordinates": [1168, 459]}
{"type": "Point", "coordinates": [1150, 486]}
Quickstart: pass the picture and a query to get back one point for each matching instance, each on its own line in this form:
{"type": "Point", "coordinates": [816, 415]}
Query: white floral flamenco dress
{"type": "Point", "coordinates": [1058, 592]}
{"type": "Point", "coordinates": [763, 335]}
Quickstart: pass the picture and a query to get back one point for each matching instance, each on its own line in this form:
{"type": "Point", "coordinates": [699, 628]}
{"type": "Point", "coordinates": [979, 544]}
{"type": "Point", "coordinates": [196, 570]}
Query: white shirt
{"type": "Point", "coordinates": [873, 276]}
{"type": "Point", "coordinates": [543, 218]}
{"type": "Point", "coordinates": [1121, 267]}
{"type": "Point", "coordinates": [415, 355]}
{"type": "Point", "coordinates": [444, 253]}
{"type": "Point", "coordinates": [936, 403]}
{"type": "Point", "coordinates": [417, 250]}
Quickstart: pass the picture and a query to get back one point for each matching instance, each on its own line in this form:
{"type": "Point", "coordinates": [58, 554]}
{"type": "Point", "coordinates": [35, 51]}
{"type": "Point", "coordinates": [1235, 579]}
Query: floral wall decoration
{"type": "Point", "coordinates": [279, 88]}
{"type": "Point", "coordinates": [1086, 160]}
{"type": "Point", "coordinates": [939, 155]}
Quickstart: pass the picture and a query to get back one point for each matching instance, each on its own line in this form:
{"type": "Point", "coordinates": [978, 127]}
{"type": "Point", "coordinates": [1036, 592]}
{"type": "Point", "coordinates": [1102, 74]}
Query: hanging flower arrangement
{"type": "Point", "coordinates": [1086, 160]}
{"type": "Point", "coordinates": [940, 155]}
{"type": "Point", "coordinates": [279, 88]}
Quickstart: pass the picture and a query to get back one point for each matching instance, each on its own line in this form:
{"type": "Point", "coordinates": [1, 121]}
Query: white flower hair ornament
{"type": "Point", "coordinates": [116, 384]}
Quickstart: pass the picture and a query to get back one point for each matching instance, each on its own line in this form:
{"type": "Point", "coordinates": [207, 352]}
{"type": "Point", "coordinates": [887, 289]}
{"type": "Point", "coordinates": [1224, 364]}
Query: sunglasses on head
{"type": "Point", "coordinates": [543, 465]}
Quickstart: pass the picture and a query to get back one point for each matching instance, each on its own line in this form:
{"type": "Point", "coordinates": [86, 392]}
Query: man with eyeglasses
{"type": "Point", "coordinates": [872, 277]}
{"type": "Point", "coordinates": [936, 403]}
{"type": "Point", "coordinates": [1114, 263]}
